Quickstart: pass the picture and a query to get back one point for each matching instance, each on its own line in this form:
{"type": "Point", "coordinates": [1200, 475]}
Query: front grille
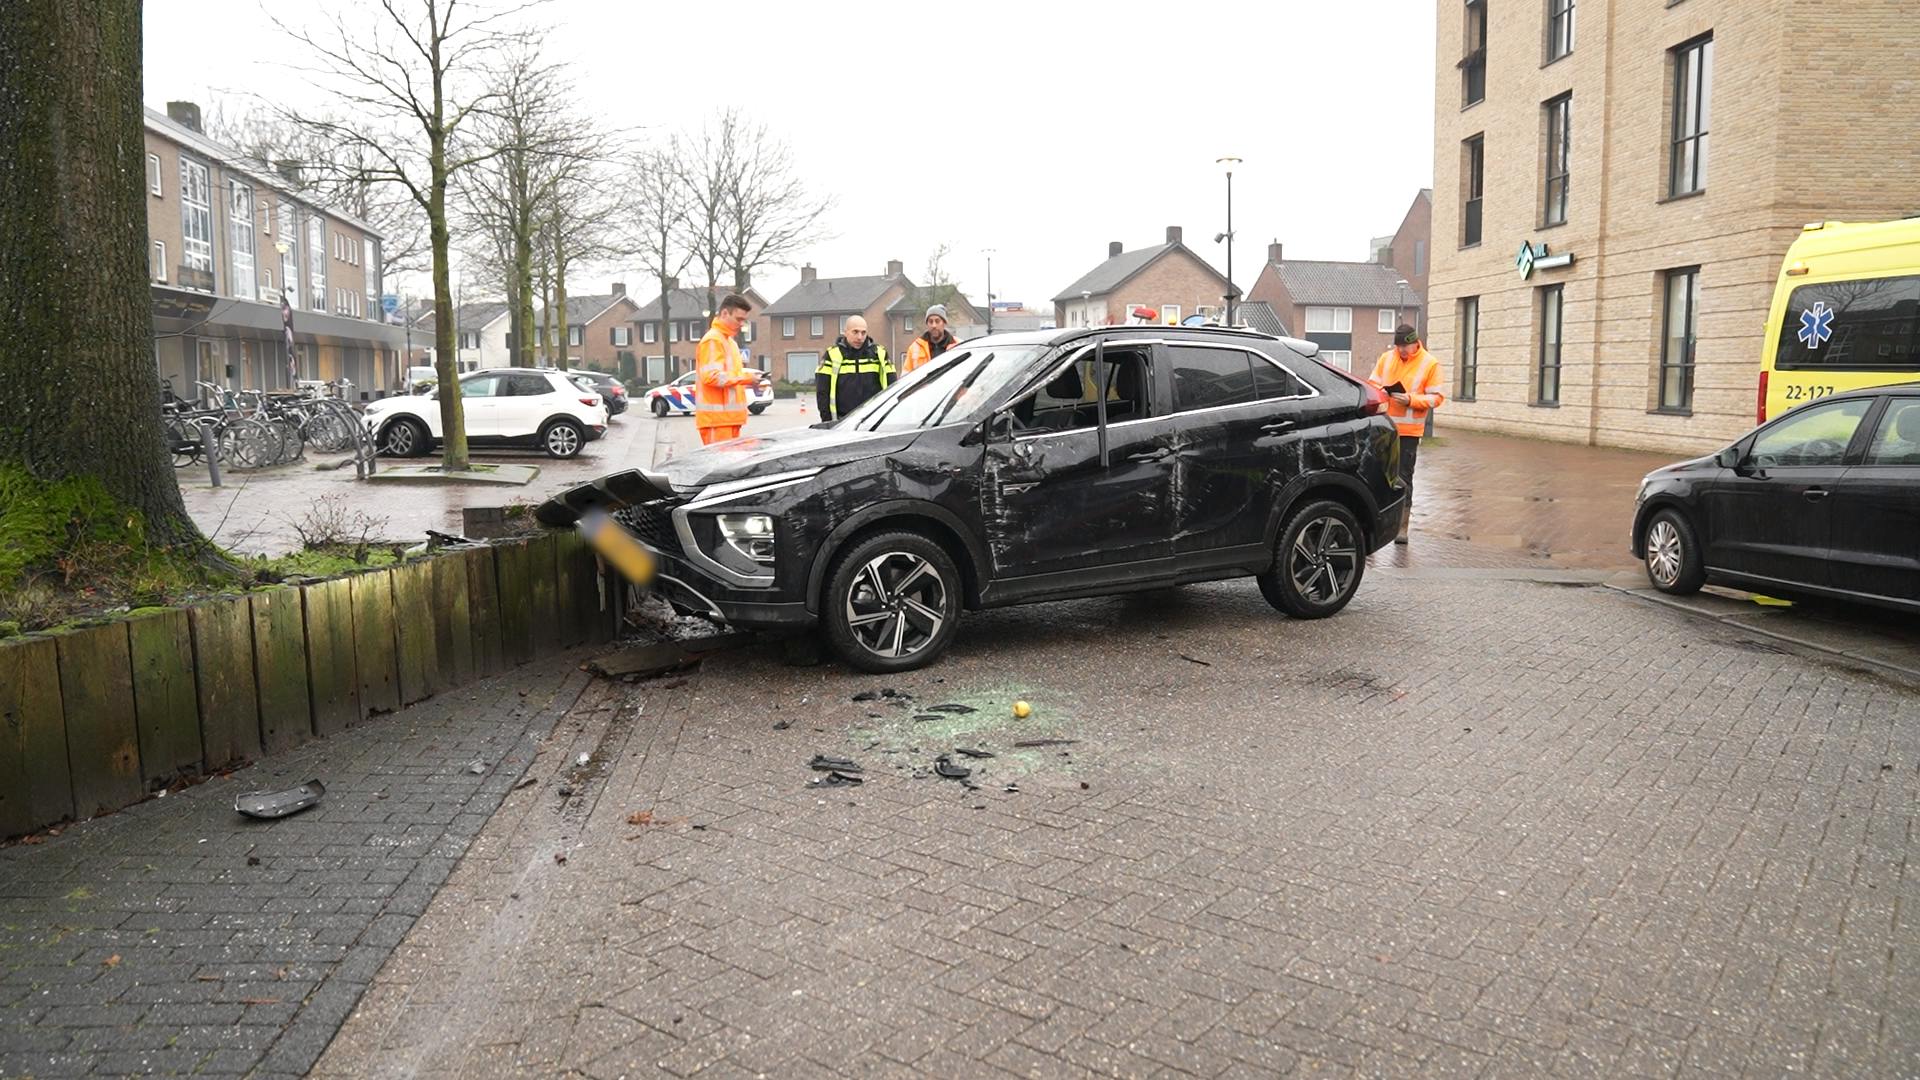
{"type": "Point", "coordinates": [652, 522]}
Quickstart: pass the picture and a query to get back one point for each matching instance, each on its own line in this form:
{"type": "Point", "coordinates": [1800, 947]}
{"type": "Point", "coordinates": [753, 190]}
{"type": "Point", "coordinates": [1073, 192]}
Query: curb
{"type": "Point", "coordinates": [1897, 671]}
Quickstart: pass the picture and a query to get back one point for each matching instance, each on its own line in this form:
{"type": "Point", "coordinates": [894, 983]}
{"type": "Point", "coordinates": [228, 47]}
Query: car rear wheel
{"type": "Point", "coordinates": [404, 438]}
{"type": "Point", "coordinates": [562, 439]}
{"type": "Point", "coordinates": [756, 409]}
{"type": "Point", "coordinates": [892, 602]}
{"type": "Point", "coordinates": [1318, 562]}
{"type": "Point", "coordinates": [1673, 555]}
{"type": "Point", "coordinates": [660, 408]}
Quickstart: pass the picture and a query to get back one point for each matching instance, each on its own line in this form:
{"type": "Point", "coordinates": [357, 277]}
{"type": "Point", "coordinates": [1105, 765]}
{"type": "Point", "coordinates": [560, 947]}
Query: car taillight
{"type": "Point", "coordinates": [589, 401]}
{"type": "Point", "coordinates": [1760, 406]}
{"type": "Point", "coordinates": [1376, 400]}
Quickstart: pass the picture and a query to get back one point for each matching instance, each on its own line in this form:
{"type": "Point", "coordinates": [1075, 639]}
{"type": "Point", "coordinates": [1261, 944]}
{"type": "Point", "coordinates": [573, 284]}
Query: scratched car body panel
{"type": "Point", "coordinates": [1033, 481]}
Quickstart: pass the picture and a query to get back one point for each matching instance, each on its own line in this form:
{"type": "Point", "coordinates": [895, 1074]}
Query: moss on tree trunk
{"type": "Point", "coordinates": [79, 390]}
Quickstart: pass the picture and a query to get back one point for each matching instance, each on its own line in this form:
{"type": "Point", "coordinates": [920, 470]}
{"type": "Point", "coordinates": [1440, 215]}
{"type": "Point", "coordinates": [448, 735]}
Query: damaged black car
{"type": "Point", "coordinates": [1026, 467]}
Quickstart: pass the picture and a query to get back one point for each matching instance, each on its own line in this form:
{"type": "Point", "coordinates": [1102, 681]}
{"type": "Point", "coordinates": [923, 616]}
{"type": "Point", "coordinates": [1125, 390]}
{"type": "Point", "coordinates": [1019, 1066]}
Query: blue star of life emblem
{"type": "Point", "coordinates": [1816, 325]}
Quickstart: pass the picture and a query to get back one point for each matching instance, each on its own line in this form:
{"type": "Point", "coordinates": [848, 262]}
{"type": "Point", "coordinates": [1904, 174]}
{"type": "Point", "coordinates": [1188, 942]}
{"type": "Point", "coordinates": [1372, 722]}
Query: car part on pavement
{"type": "Point", "coordinates": [824, 763]}
{"type": "Point", "coordinates": [279, 804]}
{"type": "Point", "coordinates": [944, 767]}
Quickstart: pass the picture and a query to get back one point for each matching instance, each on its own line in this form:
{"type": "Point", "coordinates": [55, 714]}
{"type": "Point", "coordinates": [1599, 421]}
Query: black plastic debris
{"type": "Point", "coordinates": [1012, 789]}
{"type": "Point", "coordinates": [1046, 742]}
{"type": "Point", "coordinates": [944, 768]}
{"type": "Point", "coordinates": [278, 804]}
{"type": "Point", "coordinates": [838, 779]}
{"type": "Point", "coordinates": [867, 695]}
{"type": "Point", "coordinates": [826, 763]}
{"type": "Point", "coordinates": [921, 718]}
{"type": "Point", "coordinates": [782, 725]}
{"type": "Point", "coordinates": [890, 692]}
{"type": "Point", "coordinates": [972, 753]}
{"type": "Point", "coordinates": [1195, 660]}
{"type": "Point", "coordinates": [957, 710]}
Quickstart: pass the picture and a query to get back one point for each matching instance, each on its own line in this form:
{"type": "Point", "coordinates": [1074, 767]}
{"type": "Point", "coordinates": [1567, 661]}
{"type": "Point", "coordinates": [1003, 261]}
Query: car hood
{"type": "Point", "coordinates": [786, 451]}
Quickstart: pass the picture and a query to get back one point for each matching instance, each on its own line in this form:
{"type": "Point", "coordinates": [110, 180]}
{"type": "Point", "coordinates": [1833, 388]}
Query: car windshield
{"type": "Point", "coordinates": [953, 389]}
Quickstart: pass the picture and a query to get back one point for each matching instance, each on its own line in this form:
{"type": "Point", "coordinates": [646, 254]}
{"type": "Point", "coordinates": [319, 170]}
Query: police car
{"type": "Point", "coordinates": [676, 398]}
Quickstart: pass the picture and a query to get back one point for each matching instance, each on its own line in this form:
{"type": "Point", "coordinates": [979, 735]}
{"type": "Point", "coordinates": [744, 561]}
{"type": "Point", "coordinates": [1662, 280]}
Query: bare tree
{"type": "Point", "coordinates": [770, 215]}
{"type": "Point", "coordinates": [658, 203]}
{"type": "Point", "coordinates": [712, 156]}
{"type": "Point", "coordinates": [937, 266]}
{"type": "Point", "coordinates": [581, 223]}
{"type": "Point", "coordinates": [412, 75]}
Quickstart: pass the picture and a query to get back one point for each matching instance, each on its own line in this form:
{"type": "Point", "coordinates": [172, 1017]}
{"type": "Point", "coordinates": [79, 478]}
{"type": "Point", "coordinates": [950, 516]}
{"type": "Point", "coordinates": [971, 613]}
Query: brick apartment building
{"type": "Point", "coordinates": [1656, 158]}
{"type": "Point", "coordinates": [1348, 308]}
{"type": "Point", "coordinates": [1168, 277]}
{"type": "Point", "coordinates": [227, 239]}
{"type": "Point", "coordinates": [600, 328]}
{"type": "Point", "coordinates": [805, 322]}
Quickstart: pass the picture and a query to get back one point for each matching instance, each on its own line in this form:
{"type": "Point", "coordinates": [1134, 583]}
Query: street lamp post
{"type": "Point", "coordinates": [988, 252]}
{"type": "Point", "coordinates": [1228, 163]}
{"type": "Point", "coordinates": [1398, 318]}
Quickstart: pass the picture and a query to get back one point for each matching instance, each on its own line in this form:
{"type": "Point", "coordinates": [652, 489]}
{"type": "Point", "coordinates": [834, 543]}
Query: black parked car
{"type": "Point", "coordinates": [1823, 501]}
{"type": "Point", "coordinates": [606, 386]}
{"type": "Point", "coordinates": [998, 474]}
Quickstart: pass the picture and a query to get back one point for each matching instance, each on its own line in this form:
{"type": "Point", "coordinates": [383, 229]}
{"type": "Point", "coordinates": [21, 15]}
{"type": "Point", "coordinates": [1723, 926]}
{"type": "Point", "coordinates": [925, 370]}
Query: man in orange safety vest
{"type": "Point", "coordinates": [1411, 377]}
{"type": "Point", "coordinates": [720, 389]}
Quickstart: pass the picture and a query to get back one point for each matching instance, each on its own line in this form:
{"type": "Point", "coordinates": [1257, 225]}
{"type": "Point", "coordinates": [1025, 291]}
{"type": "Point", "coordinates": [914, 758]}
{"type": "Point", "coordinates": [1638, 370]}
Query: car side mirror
{"type": "Point", "coordinates": [1728, 458]}
{"type": "Point", "coordinates": [995, 428]}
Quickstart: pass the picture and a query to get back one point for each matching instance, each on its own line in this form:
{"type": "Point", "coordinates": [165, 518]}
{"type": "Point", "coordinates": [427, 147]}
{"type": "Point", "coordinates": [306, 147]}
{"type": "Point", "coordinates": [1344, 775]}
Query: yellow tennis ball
{"type": "Point", "coordinates": [1022, 710]}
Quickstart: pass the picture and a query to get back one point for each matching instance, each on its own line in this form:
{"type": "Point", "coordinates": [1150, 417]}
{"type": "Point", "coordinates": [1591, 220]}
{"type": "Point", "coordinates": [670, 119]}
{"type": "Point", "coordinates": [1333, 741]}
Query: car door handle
{"type": "Point", "coordinates": [1156, 454]}
{"type": "Point", "coordinates": [1279, 426]}
{"type": "Point", "coordinates": [1814, 494]}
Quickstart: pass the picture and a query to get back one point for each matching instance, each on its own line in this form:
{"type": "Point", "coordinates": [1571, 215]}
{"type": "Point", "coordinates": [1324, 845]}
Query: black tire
{"type": "Point", "coordinates": [1317, 563]}
{"type": "Point", "coordinates": [757, 409]}
{"type": "Point", "coordinates": [1672, 554]}
{"type": "Point", "coordinates": [660, 408]}
{"type": "Point", "coordinates": [563, 439]}
{"type": "Point", "coordinates": [405, 438]}
{"type": "Point", "coordinates": [891, 636]}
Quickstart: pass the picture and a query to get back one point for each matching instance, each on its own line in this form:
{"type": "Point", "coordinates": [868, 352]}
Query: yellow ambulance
{"type": "Point", "coordinates": [1845, 315]}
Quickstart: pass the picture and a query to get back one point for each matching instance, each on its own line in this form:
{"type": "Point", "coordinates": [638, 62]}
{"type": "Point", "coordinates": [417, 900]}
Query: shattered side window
{"type": "Point", "coordinates": [956, 390]}
{"type": "Point", "coordinates": [1068, 400]}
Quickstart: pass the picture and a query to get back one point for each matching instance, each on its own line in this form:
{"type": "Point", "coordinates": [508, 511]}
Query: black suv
{"type": "Point", "coordinates": [1025, 467]}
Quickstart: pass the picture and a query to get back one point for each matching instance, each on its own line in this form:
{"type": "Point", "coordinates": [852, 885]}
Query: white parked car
{"type": "Point", "coordinates": [676, 398]}
{"type": "Point", "coordinates": [503, 406]}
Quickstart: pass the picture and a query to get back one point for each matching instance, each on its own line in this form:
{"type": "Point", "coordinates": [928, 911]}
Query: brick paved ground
{"type": "Point", "coordinates": [180, 937]}
{"type": "Point", "coordinates": [1539, 831]}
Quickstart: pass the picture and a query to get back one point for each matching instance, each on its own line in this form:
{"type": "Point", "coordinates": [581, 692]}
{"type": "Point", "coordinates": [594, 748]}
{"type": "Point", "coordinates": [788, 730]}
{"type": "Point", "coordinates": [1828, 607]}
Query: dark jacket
{"type": "Point", "coordinates": [847, 377]}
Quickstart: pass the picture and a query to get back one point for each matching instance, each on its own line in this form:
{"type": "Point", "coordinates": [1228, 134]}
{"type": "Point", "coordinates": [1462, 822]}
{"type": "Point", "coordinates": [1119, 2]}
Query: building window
{"type": "Point", "coordinates": [1467, 349]}
{"type": "Point", "coordinates": [1678, 339]}
{"type": "Point", "coordinates": [786, 328]}
{"type": "Point", "coordinates": [1559, 149]}
{"type": "Point", "coordinates": [818, 325]}
{"type": "Point", "coordinates": [1419, 257]}
{"type": "Point", "coordinates": [1473, 66]}
{"type": "Point", "coordinates": [622, 336]}
{"type": "Point", "coordinates": [1170, 314]}
{"type": "Point", "coordinates": [1547, 381]}
{"type": "Point", "coordinates": [673, 332]}
{"type": "Point", "coordinates": [1473, 176]}
{"type": "Point", "coordinates": [289, 267]}
{"type": "Point", "coordinates": [470, 341]}
{"type": "Point", "coordinates": [157, 261]}
{"type": "Point", "coordinates": [746, 332]}
{"type": "Point", "coordinates": [153, 174]}
{"type": "Point", "coordinates": [1329, 320]}
{"type": "Point", "coordinates": [240, 239]}
{"type": "Point", "coordinates": [650, 333]}
{"type": "Point", "coordinates": [576, 335]}
{"type": "Point", "coordinates": [1385, 325]}
{"type": "Point", "coordinates": [196, 226]}
{"type": "Point", "coordinates": [316, 264]}
{"type": "Point", "coordinates": [1692, 108]}
{"type": "Point", "coordinates": [1559, 29]}
{"type": "Point", "coordinates": [1340, 358]}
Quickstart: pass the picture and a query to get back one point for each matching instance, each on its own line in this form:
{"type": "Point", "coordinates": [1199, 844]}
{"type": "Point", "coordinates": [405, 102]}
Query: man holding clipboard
{"type": "Point", "coordinates": [1410, 376]}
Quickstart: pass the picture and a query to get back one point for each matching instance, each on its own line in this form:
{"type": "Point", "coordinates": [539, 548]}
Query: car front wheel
{"type": "Point", "coordinates": [1673, 555]}
{"type": "Point", "coordinates": [660, 408]}
{"type": "Point", "coordinates": [756, 409]}
{"type": "Point", "coordinates": [562, 439]}
{"type": "Point", "coordinates": [1318, 562]}
{"type": "Point", "coordinates": [405, 438]}
{"type": "Point", "coordinates": [892, 602]}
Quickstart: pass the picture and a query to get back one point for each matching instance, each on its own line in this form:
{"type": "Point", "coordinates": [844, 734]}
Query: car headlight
{"type": "Point", "coordinates": [750, 535]}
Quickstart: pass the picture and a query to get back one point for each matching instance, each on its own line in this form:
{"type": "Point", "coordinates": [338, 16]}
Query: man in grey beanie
{"type": "Point", "coordinates": [930, 344]}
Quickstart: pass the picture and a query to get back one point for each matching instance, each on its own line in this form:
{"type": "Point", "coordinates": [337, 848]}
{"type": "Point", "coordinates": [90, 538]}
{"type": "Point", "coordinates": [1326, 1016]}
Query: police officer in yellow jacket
{"type": "Point", "coordinates": [855, 369]}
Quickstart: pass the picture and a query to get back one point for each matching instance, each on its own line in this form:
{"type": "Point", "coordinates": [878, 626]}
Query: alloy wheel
{"type": "Point", "coordinates": [1324, 559]}
{"type": "Point", "coordinates": [1663, 553]}
{"type": "Point", "coordinates": [897, 605]}
{"type": "Point", "coordinates": [563, 440]}
{"type": "Point", "coordinates": [400, 440]}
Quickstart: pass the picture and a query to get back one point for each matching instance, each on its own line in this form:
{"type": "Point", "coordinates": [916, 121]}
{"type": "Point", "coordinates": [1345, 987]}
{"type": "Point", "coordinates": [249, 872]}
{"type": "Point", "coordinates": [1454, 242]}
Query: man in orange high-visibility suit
{"type": "Point", "coordinates": [932, 343]}
{"type": "Point", "coordinates": [720, 390]}
{"type": "Point", "coordinates": [1411, 377]}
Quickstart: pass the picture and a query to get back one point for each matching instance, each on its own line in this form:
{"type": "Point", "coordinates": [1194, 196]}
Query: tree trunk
{"type": "Point", "coordinates": [666, 319]}
{"type": "Point", "coordinates": [453, 417]}
{"type": "Point", "coordinates": [559, 308]}
{"type": "Point", "coordinates": [79, 389]}
{"type": "Point", "coordinates": [522, 216]}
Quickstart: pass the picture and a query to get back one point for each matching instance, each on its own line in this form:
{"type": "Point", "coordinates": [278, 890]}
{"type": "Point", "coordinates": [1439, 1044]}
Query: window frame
{"type": "Point", "coordinates": [1154, 354]}
{"type": "Point", "coordinates": [1175, 407]}
{"type": "Point", "coordinates": [156, 185]}
{"type": "Point", "coordinates": [650, 333]}
{"type": "Point", "coordinates": [1557, 294]}
{"type": "Point", "coordinates": [196, 251]}
{"type": "Point", "coordinates": [1686, 366]}
{"type": "Point", "coordinates": [1473, 189]}
{"type": "Point", "coordinates": [1884, 424]}
{"type": "Point", "coordinates": [1343, 319]}
{"type": "Point", "coordinates": [1467, 347]}
{"type": "Point", "coordinates": [1473, 60]}
{"type": "Point", "coordinates": [817, 326]}
{"type": "Point", "coordinates": [622, 337]}
{"type": "Point", "coordinates": [786, 326]}
{"type": "Point", "coordinates": [1385, 323]}
{"type": "Point", "coordinates": [157, 271]}
{"type": "Point", "coordinates": [576, 335]}
{"type": "Point", "coordinates": [1750, 451]}
{"type": "Point", "coordinates": [1559, 137]}
{"type": "Point", "coordinates": [1692, 67]}
{"type": "Point", "coordinates": [240, 230]}
{"type": "Point", "coordinates": [1561, 27]}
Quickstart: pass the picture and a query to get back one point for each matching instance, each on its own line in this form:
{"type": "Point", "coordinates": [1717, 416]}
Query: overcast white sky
{"type": "Point", "coordinates": [1042, 130]}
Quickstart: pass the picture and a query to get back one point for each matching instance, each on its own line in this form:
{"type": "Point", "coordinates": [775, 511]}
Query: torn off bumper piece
{"type": "Point", "coordinates": [609, 493]}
